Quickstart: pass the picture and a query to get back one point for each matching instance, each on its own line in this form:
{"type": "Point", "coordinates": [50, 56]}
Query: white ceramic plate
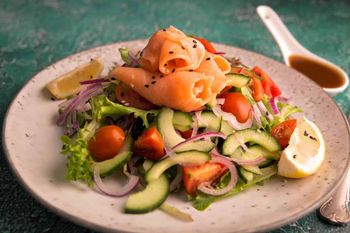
{"type": "Point", "coordinates": [32, 145]}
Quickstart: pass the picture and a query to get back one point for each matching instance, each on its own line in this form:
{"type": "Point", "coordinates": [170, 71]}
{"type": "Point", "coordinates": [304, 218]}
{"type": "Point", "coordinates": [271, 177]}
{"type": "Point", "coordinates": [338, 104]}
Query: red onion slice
{"type": "Point", "coordinates": [252, 162]}
{"type": "Point", "coordinates": [96, 80]}
{"type": "Point", "coordinates": [206, 187]}
{"type": "Point", "coordinates": [132, 183]}
{"type": "Point", "coordinates": [284, 98]}
{"type": "Point", "coordinates": [231, 119]}
{"type": "Point", "coordinates": [195, 124]}
{"type": "Point", "coordinates": [264, 111]}
{"type": "Point", "coordinates": [177, 180]}
{"type": "Point", "coordinates": [274, 106]}
{"type": "Point", "coordinates": [257, 115]}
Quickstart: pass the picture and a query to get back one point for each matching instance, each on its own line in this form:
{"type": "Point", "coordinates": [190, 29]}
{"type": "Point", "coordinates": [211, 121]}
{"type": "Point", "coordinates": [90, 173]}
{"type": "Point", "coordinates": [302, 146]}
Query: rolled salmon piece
{"type": "Point", "coordinates": [183, 90]}
{"type": "Point", "coordinates": [216, 66]}
{"type": "Point", "coordinates": [170, 50]}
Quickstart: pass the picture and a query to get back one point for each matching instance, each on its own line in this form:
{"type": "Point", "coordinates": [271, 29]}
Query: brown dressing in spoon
{"type": "Point", "coordinates": [323, 74]}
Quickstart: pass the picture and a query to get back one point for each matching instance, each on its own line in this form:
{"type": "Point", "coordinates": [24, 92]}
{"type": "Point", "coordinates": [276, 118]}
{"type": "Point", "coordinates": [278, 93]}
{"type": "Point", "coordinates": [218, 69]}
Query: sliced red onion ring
{"type": "Point", "coordinates": [132, 183]}
{"type": "Point", "coordinates": [205, 135]}
{"type": "Point", "coordinates": [284, 98]}
{"type": "Point", "coordinates": [96, 80]}
{"type": "Point", "coordinates": [177, 180]}
{"type": "Point", "coordinates": [195, 124]}
{"type": "Point", "coordinates": [257, 115]}
{"type": "Point", "coordinates": [231, 119]}
{"type": "Point", "coordinates": [220, 101]}
{"type": "Point", "coordinates": [82, 97]}
{"type": "Point", "coordinates": [133, 59]}
{"type": "Point", "coordinates": [274, 106]}
{"type": "Point", "coordinates": [264, 110]}
{"type": "Point", "coordinates": [206, 187]}
{"type": "Point", "coordinates": [132, 164]}
{"type": "Point", "coordinates": [84, 108]}
{"type": "Point", "coordinates": [252, 162]}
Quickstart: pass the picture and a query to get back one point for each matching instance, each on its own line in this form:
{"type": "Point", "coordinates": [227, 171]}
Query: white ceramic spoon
{"type": "Point", "coordinates": [335, 210]}
{"type": "Point", "coordinates": [290, 46]}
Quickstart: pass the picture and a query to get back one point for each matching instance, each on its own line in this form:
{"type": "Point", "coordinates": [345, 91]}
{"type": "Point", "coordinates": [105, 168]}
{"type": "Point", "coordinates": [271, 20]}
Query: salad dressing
{"type": "Point", "coordinates": [323, 74]}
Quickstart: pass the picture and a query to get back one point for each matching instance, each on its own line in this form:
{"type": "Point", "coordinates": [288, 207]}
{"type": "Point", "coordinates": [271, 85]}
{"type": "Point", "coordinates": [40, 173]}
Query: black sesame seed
{"type": "Point", "coordinates": [146, 85]}
{"type": "Point", "coordinates": [165, 64]}
{"type": "Point", "coordinates": [153, 77]}
{"type": "Point", "coordinates": [313, 138]}
{"type": "Point", "coordinates": [208, 59]}
{"type": "Point", "coordinates": [161, 76]}
{"type": "Point", "coordinates": [306, 133]}
{"type": "Point", "coordinates": [191, 70]}
{"type": "Point", "coordinates": [173, 70]}
{"type": "Point", "coordinates": [153, 82]}
{"type": "Point", "coordinates": [294, 156]}
{"type": "Point", "coordinates": [171, 52]}
{"type": "Point", "coordinates": [194, 46]}
{"type": "Point", "coordinates": [194, 41]}
{"type": "Point", "coordinates": [91, 77]}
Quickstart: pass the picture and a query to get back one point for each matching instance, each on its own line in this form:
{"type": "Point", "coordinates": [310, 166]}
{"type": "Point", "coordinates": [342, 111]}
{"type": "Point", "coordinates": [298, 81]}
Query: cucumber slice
{"type": "Point", "coordinates": [171, 138]}
{"type": "Point", "coordinates": [238, 80]}
{"type": "Point", "coordinates": [254, 169]}
{"type": "Point", "coordinates": [182, 121]}
{"type": "Point", "coordinates": [254, 152]}
{"type": "Point", "coordinates": [108, 166]}
{"type": "Point", "coordinates": [226, 128]}
{"type": "Point", "coordinates": [210, 121]}
{"type": "Point", "coordinates": [250, 135]}
{"type": "Point", "coordinates": [246, 175]}
{"type": "Point", "coordinates": [190, 157]}
{"type": "Point", "coordinates": [150, 198]}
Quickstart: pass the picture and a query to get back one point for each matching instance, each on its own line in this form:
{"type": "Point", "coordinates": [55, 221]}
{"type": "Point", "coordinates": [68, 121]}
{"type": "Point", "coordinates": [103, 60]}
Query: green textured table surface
{"type": "Point", "coordinates": [34, 34]}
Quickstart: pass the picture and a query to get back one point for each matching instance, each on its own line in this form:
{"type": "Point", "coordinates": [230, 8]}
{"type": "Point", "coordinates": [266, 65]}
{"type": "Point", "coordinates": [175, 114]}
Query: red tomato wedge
{"type": "Point", "coordinates": [238, 105]}
{"type": "Point", "coordinates": [106, 143]}
{"type": "Point", "coordinates": [150, 144]}
{"type": "Point", "coordinates": [207, 45]}
{"type": "Point", "coordinates": [129, 97]}
{"type": "Point", "coordinates": [270, 88]}
{"type": "Point", "coordinates": [186, 134]}
{"type": "Point", "coordinates": [195, 175]}
{"type": "Point", "coordinates": [283, 131]}
{"type": "Point", "coordinates": [257, 89]}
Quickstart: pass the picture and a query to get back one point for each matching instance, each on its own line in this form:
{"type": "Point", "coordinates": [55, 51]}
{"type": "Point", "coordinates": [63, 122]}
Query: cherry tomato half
{"type": "Point", "coordinates": [257, 89]}
{"type": "Point", "coordinates": [150, 144]}
{"type": "Point", "coordinates": [283, 131]}
{"type": "Point", "coordinates": [195, 175]}
{"type": "Point", "coordinates": [238, 105]}
{"type": "Point", "coordinates": [106, 143]}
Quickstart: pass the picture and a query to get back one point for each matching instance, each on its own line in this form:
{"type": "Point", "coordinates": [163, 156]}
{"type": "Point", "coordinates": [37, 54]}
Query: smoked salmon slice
{"type": "Point", "coordinates": [216, 66]}
{"type": "Point", "coordinates": [183, 90]}
{"type": "Point", "coordinates": [170, 50]}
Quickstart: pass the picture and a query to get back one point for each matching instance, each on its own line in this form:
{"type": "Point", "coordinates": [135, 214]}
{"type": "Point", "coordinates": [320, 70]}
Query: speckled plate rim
{"type": "Point", "coordinates": [83, 222]}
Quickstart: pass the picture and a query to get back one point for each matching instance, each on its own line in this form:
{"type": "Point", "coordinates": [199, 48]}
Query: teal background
{"type": "Point", "coordinates": [34, 34]}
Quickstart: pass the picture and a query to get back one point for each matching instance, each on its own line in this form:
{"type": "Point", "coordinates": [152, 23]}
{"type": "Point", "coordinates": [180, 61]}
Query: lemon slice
{"type": "Point", "coordinates": [305, 152]}
{"type": "Point", "coordinates": [69, 83]}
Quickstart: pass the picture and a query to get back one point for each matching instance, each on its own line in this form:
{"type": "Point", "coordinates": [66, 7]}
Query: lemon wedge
{"type": "Point", "coordinates": [305, 152]}
{"type": "Point", "coordinates": [69, 83]}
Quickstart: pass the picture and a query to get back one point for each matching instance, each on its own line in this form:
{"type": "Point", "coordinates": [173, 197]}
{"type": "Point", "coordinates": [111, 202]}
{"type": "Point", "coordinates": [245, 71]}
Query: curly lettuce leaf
{"type": "Point", "coordinates": [203, 201]}
{"type": "Point", "coordinates": [102, 107]}
{"type": "Point", "coordinates": [79, 159]}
